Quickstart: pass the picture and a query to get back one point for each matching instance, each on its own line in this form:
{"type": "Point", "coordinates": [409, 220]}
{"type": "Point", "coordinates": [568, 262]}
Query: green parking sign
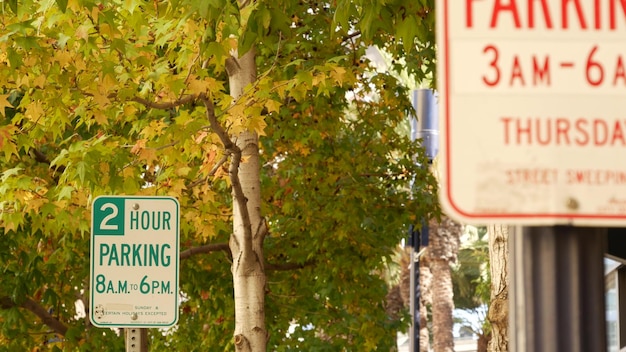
{"type": "Point", "coordinates": [134, 261]}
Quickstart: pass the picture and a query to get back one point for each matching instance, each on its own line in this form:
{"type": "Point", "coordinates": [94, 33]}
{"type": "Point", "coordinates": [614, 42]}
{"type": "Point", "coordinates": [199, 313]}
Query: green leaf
{"type": "Point", "coordinates": [13, 5]}
{"type": "Point", "coordinates": [81, 169]}
{"type": "Point", "coordinates": [10, 172]}
{"type": "Point", "coordinates": [65, 192]}
{"type": "Point", "coordinates": [62, 5]}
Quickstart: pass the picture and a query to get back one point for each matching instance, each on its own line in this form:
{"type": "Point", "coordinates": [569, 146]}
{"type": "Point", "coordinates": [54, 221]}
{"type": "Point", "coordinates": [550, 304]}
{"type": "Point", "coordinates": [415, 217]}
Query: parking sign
{"type": "Point", "coordinates": [134, 261]}
{"type": "Point", "coordinates": [532, 111]}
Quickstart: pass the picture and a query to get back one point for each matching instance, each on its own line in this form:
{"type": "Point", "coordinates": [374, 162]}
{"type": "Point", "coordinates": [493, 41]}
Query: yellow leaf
{"type": "Point", "coordinates": [100, 117]}
{"type": "Point", "coordinates": [148, 155]}
{"type": "Point", "coordinates": [79, 63]}
{"type": "Point", "coordinates": [100, 98]}
{"type": "Point", "coordinates": [319, 78]}
{"type": "Point", "coordinates": [136, 149]}
{"type": "Point", "coordinates": [272, 105]}
{"type": "Point", "coordinates": [7, 145]}
{"type": "Point", "coordinates": [129, 110]}
{"type": "Point", "coordinates": [198, 86]}
{"type": "Point", "coordinates": [257, 124]}
{"type": "Point", "coordinates": [208, 231]}
{"type": "Point", "coordinates": [337, 74]}
{"type": "Point", "coordinates": [63, 57]}
{"type": "Point", "coordinates": [9, 226]}
{"type": "Point", "coordinates": [153, 129]}
{"type": "Point", "coordinates": [34, 110]}
{"type": "Point", "coordinates": [237, 112]}
{"type": "Point", "coordinates": [34, 204]}
{"type": "Point", "coordinates": [105, 29]}
{"type": "Point", "coordinates": [207, 84]}
{"type": "Point", "coordinates": [230, 43]}
{"type": "Point", "coordinates": [299, 147]}
{"type": "Point", "coordinates": [176, 187]}
{"type": "Point", "coordinates": [23, 81]}
{"type": "Point", "coordinates": [40, 81]}
{"type": "Point", "coordinates": [128, 173]}
{"type": "Point", "coordinates": [281, 89]}
{"type": "Point", "coordinates": [4, 103]}
{"type": "Point", "coordinates": [94, 14]}
{"type": "Point", "coordinates": [104, 173]}
{"type": "Point", "coordinates": [183, 171]}
{"type": "Point", "coordinates": [30, 61]}
{"type": "Point", "coordinates": [108, 83]}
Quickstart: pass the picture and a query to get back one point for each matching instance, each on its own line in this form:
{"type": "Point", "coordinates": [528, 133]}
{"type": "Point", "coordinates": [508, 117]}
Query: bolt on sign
{"type": "Point", "coordinates": [134, 261]}
{"type": "Point", "coordinates": [533, 110]}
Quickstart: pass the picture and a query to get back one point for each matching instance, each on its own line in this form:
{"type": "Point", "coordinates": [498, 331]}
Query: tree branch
{"type": "Point", "coordinates": [42, 158]}
{"type": "Point", "coordinates": [6, 303]}
{"type": "Point", "coordinates": [165, 105]}
{"type": "Point", "coordinates": [208, 248]}
{"type": "Point", "coordinates": [241, 200]}
{"type": "Point", "coordinates": [215, 125]}
{"type": "Point", "coordinates": [50, 321]}
{"type": "Point", "coordinates": [235, 153]}
{"type": "Point", "coordinates": [211, 172]}
{"type": "Point", "coordinates": [214, 247]}
{"type": "Point", "coordinates": [289, 266]}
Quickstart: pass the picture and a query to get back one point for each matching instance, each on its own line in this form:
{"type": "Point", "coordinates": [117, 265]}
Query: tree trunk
{"type": "Point", "coordinates": [249, 229]}
{"type": "Point", "coordinates": [442, 251]}
{"type": "Point", "coordinates": [499, 308]}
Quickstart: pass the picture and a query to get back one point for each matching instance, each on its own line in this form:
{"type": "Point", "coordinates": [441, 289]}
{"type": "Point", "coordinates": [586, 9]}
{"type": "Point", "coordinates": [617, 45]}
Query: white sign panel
{"type": "Point", "coordinates": [134, 261]}
{"type": "Point", "coordinates": [533, 111]}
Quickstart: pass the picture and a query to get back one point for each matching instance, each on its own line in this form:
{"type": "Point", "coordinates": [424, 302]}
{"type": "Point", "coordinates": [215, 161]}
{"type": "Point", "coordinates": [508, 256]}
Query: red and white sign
{"type": "Point", "coordinates": [533, 110]}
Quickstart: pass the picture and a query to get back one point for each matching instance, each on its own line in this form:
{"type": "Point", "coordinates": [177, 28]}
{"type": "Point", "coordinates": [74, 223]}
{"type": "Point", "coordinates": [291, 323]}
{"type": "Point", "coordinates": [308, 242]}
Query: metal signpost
{"type": "Point", "coordinates": [532, 115]}
{"type": "Point", "coordinates": [424, 127]}
{"type": "Point", "coordinates": [134, 264]}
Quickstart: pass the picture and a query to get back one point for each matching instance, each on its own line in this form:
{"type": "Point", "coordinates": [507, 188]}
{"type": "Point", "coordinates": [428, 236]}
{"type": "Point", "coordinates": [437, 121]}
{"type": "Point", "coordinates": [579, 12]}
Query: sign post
{"type": "Point", "coordinates": [532, 115]}
{"type": "Point", "coordinates": [424, 126]}
{"type": "Point", "coordinates": [134, 262]}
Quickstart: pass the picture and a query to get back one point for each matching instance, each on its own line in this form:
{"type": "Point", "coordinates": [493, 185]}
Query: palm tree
{"type": "Point", "coordinates": [442, 252]}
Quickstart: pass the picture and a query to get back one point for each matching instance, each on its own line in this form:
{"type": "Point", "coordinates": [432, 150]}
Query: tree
{"type": "Point", "coordinates": [498, 307]}
{"type": "Point", "coordinates": [180, 98]}
{"type": "Point", "coordinates": [442, 252]}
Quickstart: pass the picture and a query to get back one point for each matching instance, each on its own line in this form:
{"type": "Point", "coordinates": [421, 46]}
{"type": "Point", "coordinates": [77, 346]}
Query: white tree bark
{"type": "Point", "coordinates": [249, 228]}
{"type": "Point", "coordinates": [498, 307]}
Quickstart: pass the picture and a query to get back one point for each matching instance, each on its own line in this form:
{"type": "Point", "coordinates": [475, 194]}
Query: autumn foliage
{"type": "Point", "coordinates": [133, 98]}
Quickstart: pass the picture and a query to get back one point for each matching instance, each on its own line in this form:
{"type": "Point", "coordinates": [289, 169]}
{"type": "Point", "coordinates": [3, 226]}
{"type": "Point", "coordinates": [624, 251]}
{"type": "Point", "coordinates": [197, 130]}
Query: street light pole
{"type": "Point", "coordinates": [424, 127]}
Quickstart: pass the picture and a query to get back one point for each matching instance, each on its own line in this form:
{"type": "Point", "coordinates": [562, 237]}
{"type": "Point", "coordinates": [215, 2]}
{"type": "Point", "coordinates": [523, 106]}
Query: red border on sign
{"type": "Point", "coordinates": [448, 195]}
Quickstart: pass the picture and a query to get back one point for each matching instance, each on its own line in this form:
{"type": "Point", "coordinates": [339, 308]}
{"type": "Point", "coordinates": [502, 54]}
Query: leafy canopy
{"type": "Point", "coordinates": [103, 97]}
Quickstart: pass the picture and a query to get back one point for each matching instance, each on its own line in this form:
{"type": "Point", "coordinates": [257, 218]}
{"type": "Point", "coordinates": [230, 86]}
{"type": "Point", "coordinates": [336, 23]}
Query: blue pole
{"type": "Point", "coordinates": [425, 127]}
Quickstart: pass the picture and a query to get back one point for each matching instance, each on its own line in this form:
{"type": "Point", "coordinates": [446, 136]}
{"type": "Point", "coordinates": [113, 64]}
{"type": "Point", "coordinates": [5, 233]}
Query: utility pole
{"type": "Point", "coordinates": [425, 128]}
